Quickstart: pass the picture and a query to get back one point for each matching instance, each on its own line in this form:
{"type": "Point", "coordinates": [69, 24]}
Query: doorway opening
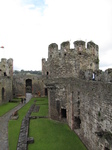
{"type": "Point", "coordinates": [63, 113]}
{"type": "Point", "coordinates": [28, 86]}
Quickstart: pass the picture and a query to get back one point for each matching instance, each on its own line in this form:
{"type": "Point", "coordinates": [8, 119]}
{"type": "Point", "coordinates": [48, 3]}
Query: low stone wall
{"type": "Point", "coordinates": [23, 136]}
{"type": "Point", "coordinates": [24, 140]}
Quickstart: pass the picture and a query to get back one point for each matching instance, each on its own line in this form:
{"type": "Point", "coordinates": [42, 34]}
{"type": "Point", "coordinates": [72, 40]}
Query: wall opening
{"type": "Point", "coordinates": [47, 73]}
{"type": "Point", "coordinates": [3, 91]}
{"type": "Point", "coordinates": [46, 92]}
{"type": "Point", "coordinates": [0, 71]}
{"type": "Point", "coordinates": [77, 122]}
{"type": "Point", "coordinates": [63, 113]}
{"type": "Point", "coordinates": [5, 74]}
{"type": "Point", "coordinates": [28, 86]}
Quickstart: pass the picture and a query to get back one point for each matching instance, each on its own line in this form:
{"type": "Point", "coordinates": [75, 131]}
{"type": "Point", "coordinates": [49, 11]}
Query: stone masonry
{"type": "Point", "coordinates": [85, 104]}
{"type": "Point", "coordinates": [28, 83]}
{"type": "Point", "coordinates": [6, 76]}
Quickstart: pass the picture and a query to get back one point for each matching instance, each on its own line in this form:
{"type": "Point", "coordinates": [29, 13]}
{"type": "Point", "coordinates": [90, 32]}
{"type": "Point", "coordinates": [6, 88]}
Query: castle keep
{"type": "Point", "coordinates": [86, 105]}
{"type": "Point", "coordinates": [68, 62]}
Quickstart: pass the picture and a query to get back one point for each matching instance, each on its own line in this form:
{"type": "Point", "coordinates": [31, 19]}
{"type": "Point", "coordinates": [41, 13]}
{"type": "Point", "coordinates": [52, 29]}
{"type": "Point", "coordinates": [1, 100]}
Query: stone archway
{"type": "Point", "coordinates": [28, 86]}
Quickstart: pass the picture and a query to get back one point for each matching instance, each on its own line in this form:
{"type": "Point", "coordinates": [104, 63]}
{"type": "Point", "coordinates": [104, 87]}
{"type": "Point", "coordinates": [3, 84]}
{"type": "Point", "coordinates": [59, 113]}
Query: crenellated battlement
{"type": "Point", "coordinates": [67, 62]}
{"type": "Point", "coordinates": [79, 49]}
{"type": "Point", "coordinates": [65, 45]}
{"type": "Point", "coordinates": [103, 76]}
{"type": "Point", "coordinates": [52, 50]}
{"type": "Point", "coordinates": [6, 67]}
{"type": "Point", "coordinates": [79, 92]}
{"type": "Point", "coordinates": [79, 46]}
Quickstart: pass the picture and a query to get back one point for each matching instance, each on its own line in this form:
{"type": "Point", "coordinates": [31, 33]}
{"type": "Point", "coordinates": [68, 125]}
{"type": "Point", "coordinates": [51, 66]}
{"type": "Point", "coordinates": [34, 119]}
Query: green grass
{"type": "Point", "coordinates": [48, 134]}
{"type": "Point", "coordinates": [4, 108]}
{"type": "Point", "coordinates": [43, 111]}
{"type": "Point", "coordinates": [14, 125]}
{"type": "Point", "coordinates": [52, 135]}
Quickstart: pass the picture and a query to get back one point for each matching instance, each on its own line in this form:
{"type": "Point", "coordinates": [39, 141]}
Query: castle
{"type": "Point", "coordinates": [74, 97]}
{"type": "Point", "coordinates": [13, 86]}
{"type": "Point", "coordinates": [78, 92]}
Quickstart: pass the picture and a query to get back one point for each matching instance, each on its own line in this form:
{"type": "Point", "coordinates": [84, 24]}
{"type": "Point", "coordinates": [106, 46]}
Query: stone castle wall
{"type": "Point", "coordinates": [6, 76]}
{"type": "Point", "coordinates": [20, 87]}
{"type": "Point", "coordinates": [86, 105]}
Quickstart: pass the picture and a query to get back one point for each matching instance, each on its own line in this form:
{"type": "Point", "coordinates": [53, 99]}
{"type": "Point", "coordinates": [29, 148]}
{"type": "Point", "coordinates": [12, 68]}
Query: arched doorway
{"type": "Point", "coordinates": [3, 91]}
{"type": "Point", "coordinates": [28, 86]}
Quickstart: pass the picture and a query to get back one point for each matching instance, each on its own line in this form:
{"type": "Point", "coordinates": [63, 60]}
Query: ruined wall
{"type": "Point", "coordinates": [6, 67]}
{"type": "Point", "coordinates": [74, 97]}
{"type": "Point", "coordinates": [88, 108]}
{"type": "Point", "coordinates": [5, 89]}
{"type": "Point", "coordinates": [68, 62]}
{"type": "Point", "coordinates": [20, 86]}
{"type": "Point", "coordinates": [6, 77]}
{"type": "Point", "coordinates": [104, 76]}
{"type": "Point", "coordinates": [92, 113]}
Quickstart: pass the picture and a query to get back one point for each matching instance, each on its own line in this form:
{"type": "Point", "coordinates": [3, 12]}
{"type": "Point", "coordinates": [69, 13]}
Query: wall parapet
{"type": "Point", "coordinates": [104, 76]}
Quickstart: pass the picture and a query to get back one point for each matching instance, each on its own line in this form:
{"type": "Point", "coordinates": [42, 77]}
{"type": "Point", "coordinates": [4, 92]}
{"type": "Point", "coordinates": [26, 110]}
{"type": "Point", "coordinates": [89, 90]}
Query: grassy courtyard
{"type": "Point", "coordinates": [4, 108]}
{"type": "Point", "coordinates": [47, 134]}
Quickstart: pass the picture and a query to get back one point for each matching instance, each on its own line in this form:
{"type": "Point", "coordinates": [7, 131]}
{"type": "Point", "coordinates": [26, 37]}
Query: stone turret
{"type": "Point", "coordinates": [52, 50]}
{"type": "Point", "coordinates": [65, 45]}
{"type": "Point", "coordinates": [68, 62]}
{"type": "Point", "coordinates": [43, 66]}
{"type": "Point", "coordinates": [79, 46]}
{"type": "Point", "coordinates": [93, 48]}
{"type": "Point", "coordinates": [6, 67]}
{"type": "Point", "coordinates": [10, 65]}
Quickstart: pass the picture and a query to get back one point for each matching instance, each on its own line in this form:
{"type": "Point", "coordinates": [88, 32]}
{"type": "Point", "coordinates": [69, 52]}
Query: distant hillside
{"type": "Point", "coordinates": [27, 71]}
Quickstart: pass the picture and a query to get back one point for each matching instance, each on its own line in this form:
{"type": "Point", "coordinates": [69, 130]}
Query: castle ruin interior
{"type": "Point", "coordinates": [84, 103]}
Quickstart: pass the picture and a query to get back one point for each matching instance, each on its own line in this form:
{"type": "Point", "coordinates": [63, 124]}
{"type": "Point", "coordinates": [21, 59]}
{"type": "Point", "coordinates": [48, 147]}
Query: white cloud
{"type": "Point", "coordinates": [27, 30]}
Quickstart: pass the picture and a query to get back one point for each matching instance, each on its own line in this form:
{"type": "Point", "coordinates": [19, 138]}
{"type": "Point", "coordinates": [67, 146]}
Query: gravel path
{"type": "Point", "coordinates": [4, 124]}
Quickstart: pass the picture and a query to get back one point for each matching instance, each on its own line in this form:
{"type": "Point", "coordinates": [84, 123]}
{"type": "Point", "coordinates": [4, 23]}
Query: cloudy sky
{"type": "Point", "coordinates": [27, 27]}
